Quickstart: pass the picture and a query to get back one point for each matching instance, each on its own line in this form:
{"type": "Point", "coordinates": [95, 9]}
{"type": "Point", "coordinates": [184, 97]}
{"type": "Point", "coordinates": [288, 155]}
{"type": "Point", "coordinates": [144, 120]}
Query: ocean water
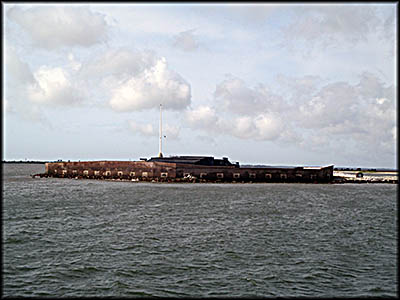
{"type": "Point", "coordinates": [82, 238]}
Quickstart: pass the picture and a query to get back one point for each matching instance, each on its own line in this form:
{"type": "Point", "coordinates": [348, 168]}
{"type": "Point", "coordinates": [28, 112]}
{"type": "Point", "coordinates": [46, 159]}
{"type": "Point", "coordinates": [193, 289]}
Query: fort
{"type": "Point", "coordinates": [186, 169]}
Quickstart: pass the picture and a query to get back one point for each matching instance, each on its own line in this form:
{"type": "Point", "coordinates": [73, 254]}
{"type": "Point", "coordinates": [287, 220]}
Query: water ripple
{"type": "Point", "coordinates": [82, 238]}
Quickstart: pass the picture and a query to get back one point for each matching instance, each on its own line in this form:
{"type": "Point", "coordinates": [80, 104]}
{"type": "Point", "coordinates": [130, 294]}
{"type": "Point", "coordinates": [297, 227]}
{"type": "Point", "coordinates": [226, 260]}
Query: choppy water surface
{"type": "Point", "coordinates": [65, 237]}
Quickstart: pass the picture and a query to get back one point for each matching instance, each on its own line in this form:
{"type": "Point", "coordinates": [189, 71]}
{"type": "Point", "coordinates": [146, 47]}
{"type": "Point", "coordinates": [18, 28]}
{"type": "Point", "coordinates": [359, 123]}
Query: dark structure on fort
{"type": "Point", "coordinates": [186, 169]}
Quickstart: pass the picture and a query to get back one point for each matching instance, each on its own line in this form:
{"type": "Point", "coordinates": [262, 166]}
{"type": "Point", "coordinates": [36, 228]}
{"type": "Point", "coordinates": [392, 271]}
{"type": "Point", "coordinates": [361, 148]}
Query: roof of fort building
{"type": "Point", "coordinates": [196, 160]}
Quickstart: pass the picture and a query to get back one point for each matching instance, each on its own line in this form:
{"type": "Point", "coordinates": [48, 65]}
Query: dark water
{"type": "Point", "coordinates": [65, 237]}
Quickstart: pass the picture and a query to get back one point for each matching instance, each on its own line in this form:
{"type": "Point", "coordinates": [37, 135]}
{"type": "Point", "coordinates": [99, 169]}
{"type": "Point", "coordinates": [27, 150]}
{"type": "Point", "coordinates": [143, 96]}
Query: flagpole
{"type": "Point", "coordinates": [160, 144]}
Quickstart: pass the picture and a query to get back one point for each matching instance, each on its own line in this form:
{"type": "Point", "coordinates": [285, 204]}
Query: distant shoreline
{"type": "Point", "coordinates": [24, 162]}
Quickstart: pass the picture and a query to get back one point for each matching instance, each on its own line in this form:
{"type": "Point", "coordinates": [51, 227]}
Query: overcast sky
{"type": "Point", "coordinates": [275, 84]}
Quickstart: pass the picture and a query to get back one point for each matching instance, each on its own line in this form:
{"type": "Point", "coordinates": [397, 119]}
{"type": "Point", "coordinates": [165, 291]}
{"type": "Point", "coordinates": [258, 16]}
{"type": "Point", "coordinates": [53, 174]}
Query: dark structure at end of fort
{"type": "Point", "coordinates": [186, 169]}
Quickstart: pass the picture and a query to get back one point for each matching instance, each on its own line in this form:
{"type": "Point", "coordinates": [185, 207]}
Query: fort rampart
{"type": "Point", "coordinates": [171, 171]}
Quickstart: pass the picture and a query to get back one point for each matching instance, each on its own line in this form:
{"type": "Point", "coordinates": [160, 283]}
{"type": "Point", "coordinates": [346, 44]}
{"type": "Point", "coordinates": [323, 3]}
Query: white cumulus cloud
{"type": "Point", "coordinates": [156, 84]}
{"type": "Point", "coordinates": [120, 63]}
{"type": "Point", "coordinates": [233, 95]}
{"type": "Point", "coordinates": [363, 113]}
{"type": "Point", "coordinates": [56, 26]}
{"type": "Point", "coordinates": [329, 106]}
{"type": "Point", "coordinates": [310, 111]}
{"type": "Point", "coordinates": [261, 127]}
{"type": "Point", "coordinates": [74, 64]}
{"type": "Point", "coordinates": [52, 86]}
{"type": "Point", "coordinates": [201, 117]}
{"type": "Point", "coordinates": [269, 126]}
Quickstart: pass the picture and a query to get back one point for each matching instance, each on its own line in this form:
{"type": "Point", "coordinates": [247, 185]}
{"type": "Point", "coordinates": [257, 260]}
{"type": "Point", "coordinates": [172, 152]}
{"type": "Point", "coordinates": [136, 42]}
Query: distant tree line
{"type": "Point", "coordinates": [23, 162]}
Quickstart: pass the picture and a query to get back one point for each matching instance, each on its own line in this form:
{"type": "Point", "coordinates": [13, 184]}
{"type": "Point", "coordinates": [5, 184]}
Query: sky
{"type": "Point", "coordinates": [259, 83]}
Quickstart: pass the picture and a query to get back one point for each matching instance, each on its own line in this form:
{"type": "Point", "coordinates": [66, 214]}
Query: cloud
{"type": "Point", "coordinates": [315, 114]}
{"type": "Point", "coordinates": [256, 13]}
{"type": "Point", "coordinates": [394, 133]}
{"type": "Point", "coordinates": [156, 84]}
{"type": "Point", "coordinates": [337, 102]}
{"type": "Point", "coordinates": [125, 80]}
{"type": "Point", "coordinates": [243, 127]}
{"type": "Point", "coordinates": [203, 117]}
{"type": "Point", "coordinates": [186, 41]}
{"type": "Point", "coordinates": [131, 80]}
{"type": "Point", "coordinates": [269, 126]}
{"type": "Point", "coordinates": [74, 64]}
{"type": "Point", "coordinates": [331, 25]}
{"type": "Point", "coordinates": [28, 92]}
{"type": "Point", "coordinates": [119, 63]}
{"type": "Point", "coordinates": [372, 87]}
{"type": "Point", "coordinates": [7, 107]}
{"type": "Point", "coordinates": [56, 26]}
{"type": "Point", "coordinates": [35, 114]}
{"type": "Point", "coordinates": [17, 71]}
{"type": "Point", "coordinates": [233, 95]}
{"type": "Point", "coordinates": [363, 112]}
{"type": "Point", "coordinates": [52, 86]}
{"type": "Point", "coordinates": [169, 131]}
{"type": "Point", "coordinates": [295, 88]}
{"type": "Point", "coordinates": [31, 113]}
{"type": "Point", "coordinates": [331, 105]}
{"type": "Point", "coordinates": [389, 29]}
{"type": "Point", "coordinates": [243, 112]}
{"type": "Point", "coordinates": [143, 129]}
{"type": "Point", "coordinates": [264, 126]}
